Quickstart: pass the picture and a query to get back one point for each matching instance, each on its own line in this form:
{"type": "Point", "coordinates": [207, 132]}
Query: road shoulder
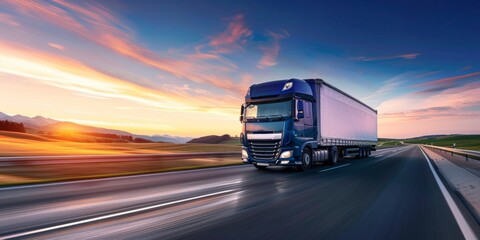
{"type": "Point", "coordinates": [464, 182]}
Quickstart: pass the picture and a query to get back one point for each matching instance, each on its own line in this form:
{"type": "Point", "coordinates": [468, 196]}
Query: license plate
{"type": "Point", "coordinates": [263, 164]}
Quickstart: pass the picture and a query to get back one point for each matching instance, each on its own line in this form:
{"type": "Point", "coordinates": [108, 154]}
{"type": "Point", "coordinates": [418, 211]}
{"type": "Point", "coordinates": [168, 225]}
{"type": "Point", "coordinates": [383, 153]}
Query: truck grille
{"type": "Point", "coordinates": [264, 149]}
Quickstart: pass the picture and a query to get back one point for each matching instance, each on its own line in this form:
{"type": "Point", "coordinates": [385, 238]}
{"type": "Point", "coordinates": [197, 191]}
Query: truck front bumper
{"type": "Point", "coordinates": [291, 161]}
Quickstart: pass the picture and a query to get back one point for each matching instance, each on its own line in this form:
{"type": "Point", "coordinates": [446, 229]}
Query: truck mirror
{"type": "Point", "coordinates": [299, 110]}
{"type": "Point", "coordinates": [241, 112]}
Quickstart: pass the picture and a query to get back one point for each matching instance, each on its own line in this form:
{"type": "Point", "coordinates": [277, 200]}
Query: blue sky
{"type": "Point", "coordinates": [416, 62]}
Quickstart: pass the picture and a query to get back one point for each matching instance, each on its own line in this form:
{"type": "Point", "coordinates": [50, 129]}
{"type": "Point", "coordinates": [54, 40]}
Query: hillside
{"type": "Point", "coordinates": [471, 142]}
{"type": "Point", "coordinates": [70, 131]}
{"type": "Point", "coordinates": [211, 139]}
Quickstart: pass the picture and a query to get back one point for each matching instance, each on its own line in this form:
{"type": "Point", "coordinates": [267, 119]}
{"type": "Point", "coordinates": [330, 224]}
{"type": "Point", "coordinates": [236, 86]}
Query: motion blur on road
{"type": "Point", "coordinates": [393, 194]}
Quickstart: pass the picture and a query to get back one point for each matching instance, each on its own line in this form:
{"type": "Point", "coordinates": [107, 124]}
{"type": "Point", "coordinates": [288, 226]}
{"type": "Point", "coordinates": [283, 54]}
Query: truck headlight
{"type": "Point", "coordinates": [244, 153]}
{"type": "Point", "coordinates": [286, 154]}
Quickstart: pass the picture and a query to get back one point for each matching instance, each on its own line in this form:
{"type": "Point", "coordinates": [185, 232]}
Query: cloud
{"type": "Point", "coordinates": [57, 46]}
{"type": "Point", "coordinates": [5, 18]}
{"type": "Point", "coordinates": [466, 68]}
{"type": "Point", "coordinates": [71, 75]}
{"type": "Point", "coordinates": [270, 53]}
{"type": "Point", "coordinates": [236, 34]}
{"type": "Point", "coordinates": [427, 74]}
{"type": "Point", "coordinates": [443, 111]}
{"type": "Point", "coordinates": [447, 81]}
{"type": "Point", "coordinates": [387, 87]}
{"type": "Point", "coordinates": [379, 58]}
{"type": "Point", "coordinates": [97, 24]}
{"type": "Point", "coordinates": [426, 113]}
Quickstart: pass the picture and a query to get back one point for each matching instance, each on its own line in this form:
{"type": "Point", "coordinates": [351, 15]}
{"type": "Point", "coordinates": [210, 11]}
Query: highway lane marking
{"type": "Point", "coordinates": [395, 153]}
{"type": "Point", "coordinates": [95, 219]}
{"type": "Point", "coordinates": [328, 169]}
{"type": "Point", "coordinates": [381, 155]}
{"type": "Point", "coordinates": [462, 223]}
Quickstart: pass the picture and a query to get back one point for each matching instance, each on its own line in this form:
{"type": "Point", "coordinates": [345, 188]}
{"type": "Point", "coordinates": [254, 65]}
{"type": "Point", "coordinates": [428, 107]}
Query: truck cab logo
{"type": "Point", "coordinates": [287, 86]}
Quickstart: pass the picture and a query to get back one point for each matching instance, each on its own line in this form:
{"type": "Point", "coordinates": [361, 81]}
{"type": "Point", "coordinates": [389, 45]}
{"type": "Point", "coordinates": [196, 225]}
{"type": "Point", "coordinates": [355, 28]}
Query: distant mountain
{"type": "Point", "coordinates": [165, 138]}
{"type": "Point", "coordinates": [74, 127]}
{"type": "Point", "coordinates": [39, 123]}
{"type": "Point", "coordinates": [212, 139]}
{"type": "Point", "coordinates": [34, 122]}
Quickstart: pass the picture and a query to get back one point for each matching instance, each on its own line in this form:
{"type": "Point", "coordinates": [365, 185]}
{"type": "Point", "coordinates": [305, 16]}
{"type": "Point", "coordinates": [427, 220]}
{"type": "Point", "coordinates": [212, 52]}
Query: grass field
{"type": "Point", "coordinates": [471, 142]}
{"type": "Point", "coordinates": [24, 144]}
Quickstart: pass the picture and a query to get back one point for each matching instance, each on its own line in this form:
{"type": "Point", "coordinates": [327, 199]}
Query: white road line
{"type": "Point", "coordinates": [381, 155]}
{"type": "Point", "coordinates": [112, 215]}
{"type": "Point", "coordinates": [462, 223]}
{"type": "Point", "coordinates": [328, 169]}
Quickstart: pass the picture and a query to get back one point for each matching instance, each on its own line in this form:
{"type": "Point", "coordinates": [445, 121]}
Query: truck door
{"type": "Point", "coordinates": [304, 126]}
{"type": "Point", "coordinates": [308, 120]}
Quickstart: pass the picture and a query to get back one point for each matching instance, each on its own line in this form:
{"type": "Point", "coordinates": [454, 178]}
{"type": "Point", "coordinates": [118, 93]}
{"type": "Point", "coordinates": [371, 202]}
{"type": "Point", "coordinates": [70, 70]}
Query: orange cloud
{"type": "Point", "coordinates": [99, 25]}
{"type": "Point", "coordinates": [236, 32]}
{"type": "Point", "coordinates": [270, 53]}
{"type": "Point", "coordinates": [71, 75]}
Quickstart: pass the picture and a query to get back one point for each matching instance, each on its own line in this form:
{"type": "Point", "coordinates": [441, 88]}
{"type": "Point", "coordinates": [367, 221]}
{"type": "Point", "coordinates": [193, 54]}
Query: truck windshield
{"type": "Point", "coordinates": [269, 110]}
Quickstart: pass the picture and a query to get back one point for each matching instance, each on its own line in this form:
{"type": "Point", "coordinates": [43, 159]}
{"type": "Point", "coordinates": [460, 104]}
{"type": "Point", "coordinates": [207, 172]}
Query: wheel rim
{"type": "Point", "coordinates": [306, 160]}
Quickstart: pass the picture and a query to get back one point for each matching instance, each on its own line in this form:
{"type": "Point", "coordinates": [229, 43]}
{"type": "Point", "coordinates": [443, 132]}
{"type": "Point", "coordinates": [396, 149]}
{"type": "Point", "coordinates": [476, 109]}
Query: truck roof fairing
{"type": "Point", "coordinates": [280, 89]}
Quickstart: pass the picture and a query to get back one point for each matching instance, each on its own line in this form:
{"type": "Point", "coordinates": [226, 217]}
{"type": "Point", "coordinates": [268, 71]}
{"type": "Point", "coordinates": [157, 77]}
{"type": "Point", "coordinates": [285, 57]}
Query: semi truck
{"type": "Point", "coordinates": [303, 123]}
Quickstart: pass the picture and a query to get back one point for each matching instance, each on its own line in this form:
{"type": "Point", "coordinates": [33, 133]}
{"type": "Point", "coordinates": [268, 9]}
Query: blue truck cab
{"type": "Point", "coordinates": [280, 127]}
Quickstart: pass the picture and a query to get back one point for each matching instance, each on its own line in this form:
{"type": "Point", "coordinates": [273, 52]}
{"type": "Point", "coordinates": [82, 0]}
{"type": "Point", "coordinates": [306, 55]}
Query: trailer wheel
{"type": "Point", "coordinates": [307, 160]}
{"type": "Point", "coordinates": [333, 155]}
{"type": "Point", "coordinates": [362, 152]}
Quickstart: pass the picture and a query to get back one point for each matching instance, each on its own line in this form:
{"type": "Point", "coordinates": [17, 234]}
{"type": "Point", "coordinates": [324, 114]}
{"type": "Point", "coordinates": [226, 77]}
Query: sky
{"type": "Point", "coordinates": [183, 67]}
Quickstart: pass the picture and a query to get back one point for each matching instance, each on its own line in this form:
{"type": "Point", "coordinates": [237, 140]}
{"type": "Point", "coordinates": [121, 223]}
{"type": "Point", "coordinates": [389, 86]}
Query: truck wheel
{"type": "Point", "coordinates": [333, 155]}
{"type": "Point", "coordinates": [260, 167]}
{"type": "Point", "coordinates": [307, 160]}
{"type": "Point", "coordinates": [362, 152]}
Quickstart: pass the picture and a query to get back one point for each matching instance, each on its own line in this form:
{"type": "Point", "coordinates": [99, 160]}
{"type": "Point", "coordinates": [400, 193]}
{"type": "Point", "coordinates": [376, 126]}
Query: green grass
{"type": "Point", "coordinates": [233, 141]}
{"type": "Point", "coordinates": [471, 142]}
{"type": "Point", "coordinates": [390, 143]}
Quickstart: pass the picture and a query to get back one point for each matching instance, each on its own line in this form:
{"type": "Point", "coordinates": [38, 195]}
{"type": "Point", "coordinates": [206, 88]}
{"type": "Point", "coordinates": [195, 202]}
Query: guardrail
{"type": "Point", "coordinates": [468, 155]}
{"type": "Point", "coordinates": [84, 159]}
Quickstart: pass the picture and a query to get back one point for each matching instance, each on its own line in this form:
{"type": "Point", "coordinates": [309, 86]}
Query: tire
{"type": "Point", "coordinates": [333, 155]}
{"type": "Point", "coordinates": [307, 160]}
{"type": "Point", "coordinates": [362, 152]}
{"type": "Point", "coordinates": [260, 167]}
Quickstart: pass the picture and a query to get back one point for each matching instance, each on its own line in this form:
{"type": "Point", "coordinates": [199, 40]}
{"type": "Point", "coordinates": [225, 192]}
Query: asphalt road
{"type": "Point", "coordinates": [390, 195]}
